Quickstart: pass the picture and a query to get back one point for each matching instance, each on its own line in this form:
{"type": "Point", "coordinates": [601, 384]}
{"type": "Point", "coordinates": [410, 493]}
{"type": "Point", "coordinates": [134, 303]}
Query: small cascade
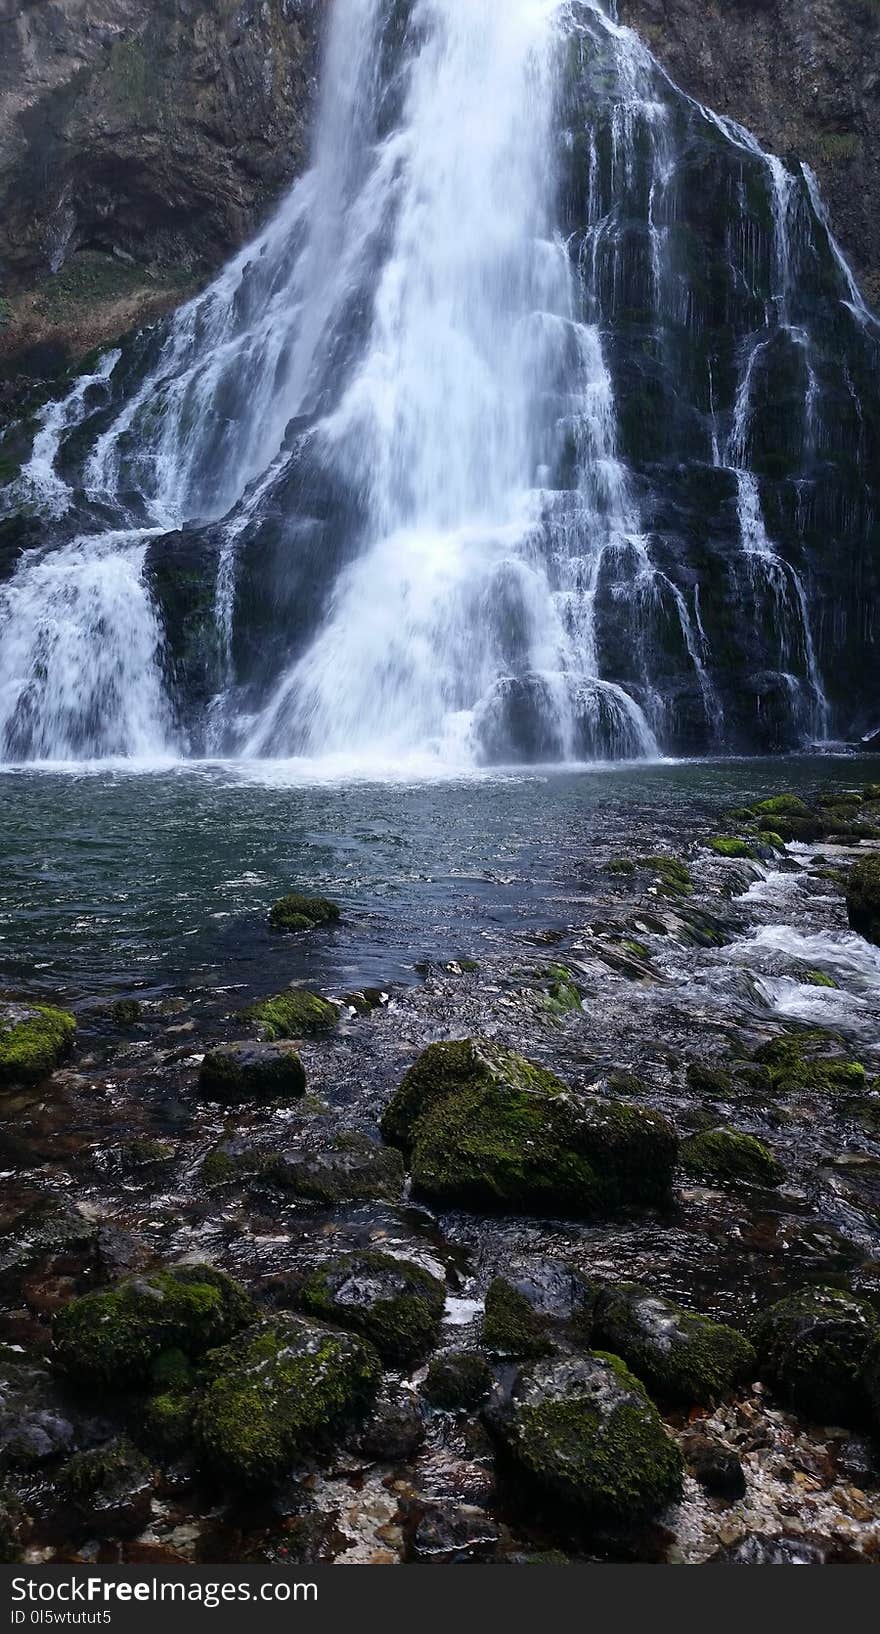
{"type": "Point", "coordinates": [535, 426]}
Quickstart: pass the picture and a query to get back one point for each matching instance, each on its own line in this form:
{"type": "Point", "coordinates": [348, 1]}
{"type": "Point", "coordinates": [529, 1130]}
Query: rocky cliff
{"type": "Point", "coordinates": [140, 142]}
{"type": "Point", "coordinates": [804, 76]}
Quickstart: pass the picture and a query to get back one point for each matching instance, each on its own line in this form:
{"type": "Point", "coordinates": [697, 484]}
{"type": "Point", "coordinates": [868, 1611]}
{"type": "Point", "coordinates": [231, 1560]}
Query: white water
{"type": "Point", "coordinates": [412, 315]}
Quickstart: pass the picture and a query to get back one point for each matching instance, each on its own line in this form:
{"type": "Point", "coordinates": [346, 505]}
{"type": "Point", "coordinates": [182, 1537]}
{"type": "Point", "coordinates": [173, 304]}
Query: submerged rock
{"type": "Point", "coordinates": [487, 1129]}
{"type": "Point", "coordinates": [396, 1304]}
{"type": "Point", "coordinates": [293, 913]}
{"type": "Point", "coordinates": [34, 1038]}
{"type": "Point", "coordinates": [280, 1390]}
{"type": "Point", "coordinates": [511, 1325]}
{"type": "Point", "coordinates": [293, 1014]}
{"type": "Point", "coordinates": [582, 1432]}
{"type": "Point", "coordinates": [813, 1348]}
{"type": "Point", "coordinates": [235, 1072]}
{"type": "Point", "coordinates": [395, 1428]}
{"type": "Point", "coordinates": [113, 1339]}
{"type": "Point", "coordinates": [863, 898]}
{"type": "Point", "coordinates": [677, 1354]}
{"type": "Point", "coordinates": [726, 1155]}
{"type": "Point", "coordinates": [800, 1063]}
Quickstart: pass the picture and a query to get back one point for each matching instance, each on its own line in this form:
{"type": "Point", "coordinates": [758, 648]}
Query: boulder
{"type": "Point", "coordinates": [342, 1168]}
{"type": "Point", "coordinates": [487, 1129]}
{"type": "Point", "coordinates": [278, 1392]}
{"type": "Point", "coordinates": [114, 1339]}
{"type": "Point", "coordinates": [678, 1355]}
{"type": "Point", "coordinates": [293, 913]}
{"type": "Point", "coordinates": [34, 1038]}
{"type": "Point", "coordinates": [582, 1433]}
{"type": "Point", "coordinates": [813, 1348]}
{"type": "Point", "coordinates": [293, 1014]}
{"type": "Point", "coordinates": [863, 898]}
{"type": "Point", "coordinates": [726, 1155]}
{"type": "Point", "coordinates": [394, 1303]}
{"type": "Point", "coordinates": [243, 1071]}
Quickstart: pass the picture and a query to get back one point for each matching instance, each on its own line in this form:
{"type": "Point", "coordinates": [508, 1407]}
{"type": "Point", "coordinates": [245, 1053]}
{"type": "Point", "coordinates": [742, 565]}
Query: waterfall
{"type": "Point", "coordinates": [410, 476]}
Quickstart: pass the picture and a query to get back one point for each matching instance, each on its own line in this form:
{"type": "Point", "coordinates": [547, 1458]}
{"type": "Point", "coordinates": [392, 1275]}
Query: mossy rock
{"type": "Point", "coordinates": [582, 1433]}
{"type": "Point", "coordinates": [705, 1078]}
{"type": "Point", "coordinates": [782, 805]}
{"type": "Point", "coordinates": [726, 1155]}
{"type": "Point", "coordinates": [394, 1303]}
{"type": "Point", "coordinates": [460, 1379]}
{"type": "Point", "coordinates": [796, 1065]}
{"type": "Point", "coordinates": [126, 1012]}
{"type": "Point", "coordinates": [239, 1072]}
{"type": "Point", "coordinates": [293, 1014]}
{"type": "Point", "coordinates": [114, 1339]}
{"type": "Point", "coordinates": [487, 1129]}
{"type": "Point", "coordinates": [678, 1355]}
{"type": "Point", "coordinates": [34, 1038]}
{"type": "Point", "coordinates": [863, 898]}
{"type": "Point", "coordinates": [724, 847]}
{"type": "Point", "coordinates": [511, 1325]}
{"type": "Point", "coordinates": [620, 865]}
{"type": "Point", "coordinates": [813, 1347]}
{"type": "Point", "coordinates": [672, 874]}
{"type": "Point", "coordinates": [110, 1487]}
{"type": "Point", "coordinates": [168, 1420]}
{"type": "Point", "coordinates": [341, 1168]}
{"type": "Point", "coordinates": [294, 913]}
{"type": "Point", "coordinates": [278, 1392]}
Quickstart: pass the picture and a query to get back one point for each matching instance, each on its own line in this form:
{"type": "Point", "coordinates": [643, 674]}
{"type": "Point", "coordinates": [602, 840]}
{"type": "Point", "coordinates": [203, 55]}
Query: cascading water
{"type": "Point", "coordinates": [445, 461]}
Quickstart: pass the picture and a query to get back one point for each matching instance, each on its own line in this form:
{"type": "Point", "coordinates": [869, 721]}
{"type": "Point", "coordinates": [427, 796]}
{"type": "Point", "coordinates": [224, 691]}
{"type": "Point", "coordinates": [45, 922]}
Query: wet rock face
{"type": "Point", "coordinates": [803, 75]}
{"type": "Point", "coordinates": [140, 142]}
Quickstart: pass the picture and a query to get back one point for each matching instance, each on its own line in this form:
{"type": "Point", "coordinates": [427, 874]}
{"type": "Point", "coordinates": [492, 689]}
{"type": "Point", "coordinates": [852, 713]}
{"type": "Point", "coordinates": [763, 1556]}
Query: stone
{"type": "Point", "coordinates": [394, 1303]}
{"type": "Point", "coordinates": [34, 1039]}
{"type": "Point", "coordinates": [297, 913]}
{"type": "Point", "coordinates": [239, 1072]}
{"type": "Point", "coordinates": [863, 898]}
{"type": "Point", "coordinates": [582, 1433]}
{"type": "Point", "coordinates": [340, 1168]}
{"type": "Point", "coordinates": [813, 1347]}
{"type": "Point", "coordinates": [293, 1014]}
{"type": "Point", "coordinates": [277, 1392]}
{"type": "Point", "coordinates": [678, 1355]}
{"type": "Point", "coordinates": [487, 1129]}
{"type": "Point", "coordinates": [727, 1156]}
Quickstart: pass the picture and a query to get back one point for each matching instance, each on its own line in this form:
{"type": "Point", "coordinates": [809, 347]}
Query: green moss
{"type": "Point", "coordinates": [168, 1419]}
{"type": "Point", "coordinates": [678, 1355]}
{"type": "Point", "coordinates": [863, 898]}
{"type": "Point", "coordinates": [725, 1155]}
{"type": "Point", "coordinates": [812, 1348]}
{"type": "Point", "coordinates": [839, 146]}
{"type": "Point", "coordinates": [33, 1039]}
{"type": "Point", "coordinates": [510, 1325]}
{"type": "Point", "coordinates": [460, 1379]}
{"type": "Point", "coordinates": [588, 1437]}
{"type": "Point", "coordinates": [294, 1014]}
{"type": "Point", "coordinates": [818, 978]}
{"type": "Point", "coordinates": [275, 1393]}
{"type": "Point", "coordinates": [782, 805]}
{"type": "Point", "coordinates": [395, 1304]}
{"type": "Point", "coordinates": [294, 913]}
{"type": "Point", "coordinates": [724, 847]}
{"type": "Point", "coordinates": [707, 1079]}
{"type": "Point", "coordinates": [795, 1067]}
{"type": "Point", "coordinates": [86, 1472]}
{"type": "Point", "coordinates": [489, 1129]}
{"type": "Point", "coordinates": [673, 875]}
{"type": "Point", "coordinates": [114, 1338]}
{"type": "Point", "coordinates": [562, 996]}
{"type": "Point", "coordinates": [126, 1012]}
{"type": "Point", "coordinates": [620, 865]}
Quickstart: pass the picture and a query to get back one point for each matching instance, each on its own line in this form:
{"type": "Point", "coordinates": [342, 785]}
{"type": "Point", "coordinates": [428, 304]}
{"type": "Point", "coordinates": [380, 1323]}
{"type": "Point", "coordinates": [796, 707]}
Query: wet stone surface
{"type": "Point", "coordinates": [697, 997]}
